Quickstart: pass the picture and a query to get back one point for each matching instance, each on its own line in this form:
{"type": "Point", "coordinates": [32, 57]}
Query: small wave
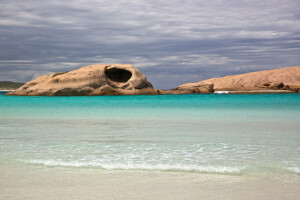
{"type": "Point", "coordinates": [164, 167]}
{"type": "Point", "coordinates": [294, 169]}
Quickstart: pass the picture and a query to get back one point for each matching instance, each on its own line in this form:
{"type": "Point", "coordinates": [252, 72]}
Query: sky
{"type": "Point", "coordinates": [171, 42]}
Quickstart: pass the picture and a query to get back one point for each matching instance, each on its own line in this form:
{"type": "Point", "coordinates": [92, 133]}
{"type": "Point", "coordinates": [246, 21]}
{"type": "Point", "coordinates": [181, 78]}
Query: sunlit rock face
{"type": "Point", "coordinates": [287, 79]}
{"type": "Point", "coordinates": [205, 87]}
{"type": "Point", "coordinates": [99, 79]}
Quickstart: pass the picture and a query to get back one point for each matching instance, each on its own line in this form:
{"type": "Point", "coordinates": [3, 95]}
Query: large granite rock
{"type": "Point", "coordinates": [99, 79]}
{"type": "Point", "coordinates": [277, 79]}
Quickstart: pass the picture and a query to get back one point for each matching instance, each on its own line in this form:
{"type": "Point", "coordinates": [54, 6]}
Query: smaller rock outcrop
{"type": "Point", "coordinates": [99, 79]}
{"type": "Point", "coordinates": [205, 87]}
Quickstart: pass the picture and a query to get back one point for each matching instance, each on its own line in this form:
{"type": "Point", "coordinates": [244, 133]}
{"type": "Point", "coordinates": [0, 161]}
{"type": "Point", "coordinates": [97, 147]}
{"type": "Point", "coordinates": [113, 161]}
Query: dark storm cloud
{"type": "Point", "coordinates": [171, 42]}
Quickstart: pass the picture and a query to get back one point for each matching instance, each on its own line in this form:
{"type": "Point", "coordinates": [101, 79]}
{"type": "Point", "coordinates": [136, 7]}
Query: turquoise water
{"type": "Point", "coordinates": [228, 134]}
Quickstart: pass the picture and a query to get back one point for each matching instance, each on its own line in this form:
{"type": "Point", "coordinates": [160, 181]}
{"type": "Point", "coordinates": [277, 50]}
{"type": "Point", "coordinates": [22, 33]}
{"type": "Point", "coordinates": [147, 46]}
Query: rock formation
{"type": "Point", "coordinates": [205, 87]}
{"type": "Point", "coordinates": [99, 79]}
{"type": "Point", "coordinates": [124, 79]}
{"type": "Point", "coordinates": [287, 79]}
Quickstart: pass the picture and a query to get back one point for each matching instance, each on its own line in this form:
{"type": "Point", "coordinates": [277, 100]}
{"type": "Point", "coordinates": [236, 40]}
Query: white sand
{"type": "Point", "coordinates": [37, 182]}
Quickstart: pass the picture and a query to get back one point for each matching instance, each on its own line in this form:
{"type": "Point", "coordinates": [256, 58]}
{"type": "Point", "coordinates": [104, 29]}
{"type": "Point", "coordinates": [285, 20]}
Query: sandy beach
{"type": "Point", "coordinates": [48, 183]}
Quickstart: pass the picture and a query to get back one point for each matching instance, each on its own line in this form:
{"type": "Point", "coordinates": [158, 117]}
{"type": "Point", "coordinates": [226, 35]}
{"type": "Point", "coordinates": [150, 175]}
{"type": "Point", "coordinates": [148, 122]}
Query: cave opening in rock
{"type": "Point", "coordinates": [118, 75]}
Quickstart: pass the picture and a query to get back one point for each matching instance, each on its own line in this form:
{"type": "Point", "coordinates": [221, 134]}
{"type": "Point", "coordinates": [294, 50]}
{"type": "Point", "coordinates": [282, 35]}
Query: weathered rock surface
{"type": "Point", "coordinates": [99, 79]}
{"type": "Point", "coordinates": [204, 87]}
{"type": "Point", "coordinates": [277, 79]}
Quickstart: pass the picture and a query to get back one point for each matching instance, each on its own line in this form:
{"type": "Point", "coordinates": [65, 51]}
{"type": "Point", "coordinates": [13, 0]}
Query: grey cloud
{"type": "Point", "coordinates": [171, 42]}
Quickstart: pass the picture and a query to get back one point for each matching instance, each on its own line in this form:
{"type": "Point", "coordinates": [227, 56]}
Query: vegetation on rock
{"type": "Point", "coordinates": [8, 85]}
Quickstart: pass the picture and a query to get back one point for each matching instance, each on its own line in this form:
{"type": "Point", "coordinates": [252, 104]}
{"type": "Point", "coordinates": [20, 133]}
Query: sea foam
{"type": "Point", "coordinates": [163, 167]}
{"type": "Point", "coordinates": [294, 169]}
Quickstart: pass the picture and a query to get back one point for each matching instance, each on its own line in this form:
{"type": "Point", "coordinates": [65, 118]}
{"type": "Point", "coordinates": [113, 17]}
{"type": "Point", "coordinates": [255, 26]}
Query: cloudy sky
{"type": "Point", "coordinates": [171, 42]}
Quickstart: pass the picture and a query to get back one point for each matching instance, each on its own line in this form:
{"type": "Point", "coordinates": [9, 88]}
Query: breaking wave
{"type": "Point", "coordinates": [294, 169]}
{"type": "Point", "coordinates": [163, 167]}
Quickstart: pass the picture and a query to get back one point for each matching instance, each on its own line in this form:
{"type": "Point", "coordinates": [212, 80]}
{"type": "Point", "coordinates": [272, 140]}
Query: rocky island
{"type": "Point", "coordinates": [284, 80]}
{"type": "Point", "coordinates": [125, 79]}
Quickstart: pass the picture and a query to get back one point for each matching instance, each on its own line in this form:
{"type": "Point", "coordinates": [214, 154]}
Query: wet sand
{"type": "Point", "coordinates": [49, 183]}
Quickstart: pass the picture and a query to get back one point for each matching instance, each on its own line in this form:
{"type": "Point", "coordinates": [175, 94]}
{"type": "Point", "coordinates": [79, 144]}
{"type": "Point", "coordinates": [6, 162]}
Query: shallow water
{"type": "Point", "coordinates": [244, 135]}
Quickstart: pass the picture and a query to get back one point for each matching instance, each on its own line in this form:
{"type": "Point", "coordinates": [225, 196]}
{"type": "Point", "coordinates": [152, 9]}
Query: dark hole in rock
{"type": "Point", "coordinates": [281, 85]}
{"type": "Point", "coordinates": [118, 75]}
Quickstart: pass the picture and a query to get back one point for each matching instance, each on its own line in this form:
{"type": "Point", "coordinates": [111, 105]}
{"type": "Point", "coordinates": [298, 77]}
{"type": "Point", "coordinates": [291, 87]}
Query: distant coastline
{"type": "Point", "coordinates": [1, 90]}
{"type": "Point", "coordinates": [9, 86]}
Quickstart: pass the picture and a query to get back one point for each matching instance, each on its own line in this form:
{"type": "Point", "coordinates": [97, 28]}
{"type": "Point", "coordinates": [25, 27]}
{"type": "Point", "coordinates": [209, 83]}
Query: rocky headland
{"type": "Point", "coordinates": [284, 80]}
{"type": "Point", "coordinates": [99, 79]}
{"type": "Point", "coordinates": [125, 79]}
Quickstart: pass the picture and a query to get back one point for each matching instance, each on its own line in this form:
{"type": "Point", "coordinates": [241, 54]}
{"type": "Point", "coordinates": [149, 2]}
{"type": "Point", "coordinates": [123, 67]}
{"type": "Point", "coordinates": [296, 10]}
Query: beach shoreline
{"type": "Point", "coordinates": [47, 183]}
{"type": "Point", "coordinates": [255, 92]}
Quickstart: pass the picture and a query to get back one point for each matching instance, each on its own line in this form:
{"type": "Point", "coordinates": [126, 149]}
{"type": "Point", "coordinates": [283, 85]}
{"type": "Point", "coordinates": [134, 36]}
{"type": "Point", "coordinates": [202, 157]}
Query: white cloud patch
{"type": "Point", "coordinates": [200, 60]}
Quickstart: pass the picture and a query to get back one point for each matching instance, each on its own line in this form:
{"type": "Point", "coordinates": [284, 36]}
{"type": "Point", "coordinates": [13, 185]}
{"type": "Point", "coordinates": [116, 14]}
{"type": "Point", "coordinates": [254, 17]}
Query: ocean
{"type": "Point", "coordinates": [252, 138]}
